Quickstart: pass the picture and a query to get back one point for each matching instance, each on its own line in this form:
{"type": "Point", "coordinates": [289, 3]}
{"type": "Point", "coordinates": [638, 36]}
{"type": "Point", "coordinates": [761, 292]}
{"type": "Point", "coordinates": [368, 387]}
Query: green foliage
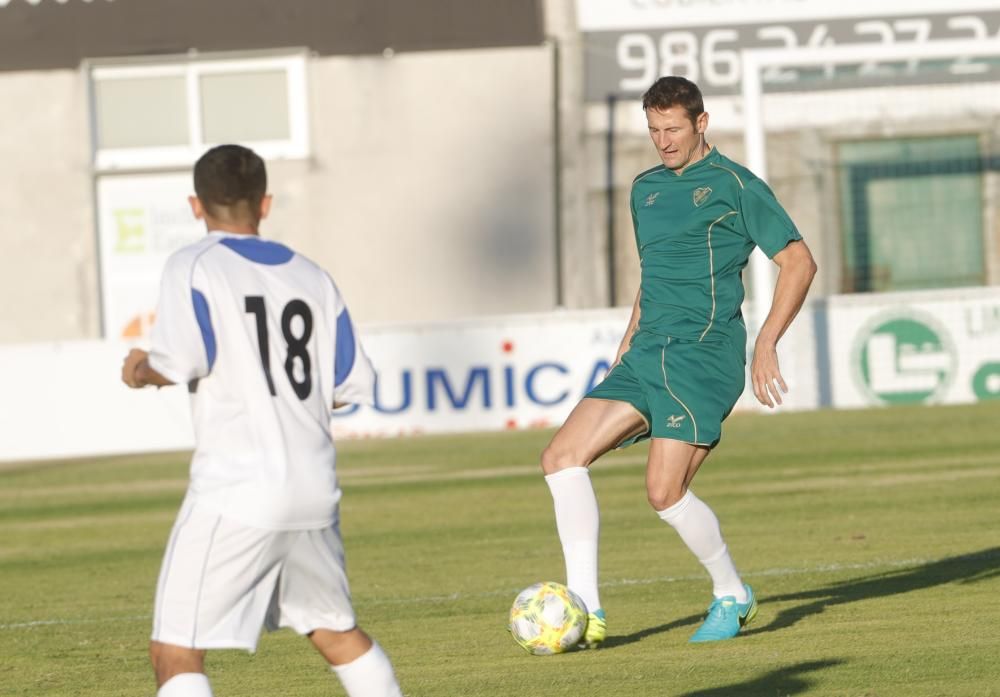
{"type": "Point", "coordinates": [871, 538]}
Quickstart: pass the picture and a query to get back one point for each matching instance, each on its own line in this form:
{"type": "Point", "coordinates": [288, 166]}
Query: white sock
{"type": "Point", "coordinates": [698, 527]}
{"type": "Point", "coordinates": [186, 685]}
{"type": "Point", "coordinates": [578, 524]}
{"type": "Point", "coordinates": [369, 675]}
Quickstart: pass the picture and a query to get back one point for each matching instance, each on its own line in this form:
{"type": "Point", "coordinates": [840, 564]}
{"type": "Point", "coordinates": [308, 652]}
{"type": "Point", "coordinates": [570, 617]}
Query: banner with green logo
{"type": "Point", "coordinates": [141, 220]}
{"type": "Point", "coordinates": [939, 347]}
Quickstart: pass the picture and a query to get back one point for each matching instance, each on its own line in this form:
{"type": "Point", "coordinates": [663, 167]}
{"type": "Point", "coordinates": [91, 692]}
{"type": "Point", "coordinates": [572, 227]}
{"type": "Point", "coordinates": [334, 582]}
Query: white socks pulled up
{"type": "Point", "coordinates": [186, 685]}
{"type": "Point", "coordinates": [578, 524]}
{"type": "Point", "coordinates": [698, 527]}
{"type": "Point", "coordinates": [369, 675]}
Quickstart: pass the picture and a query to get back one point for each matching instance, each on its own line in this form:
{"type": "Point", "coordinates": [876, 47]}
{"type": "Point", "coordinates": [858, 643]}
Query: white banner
{"type": "Point", "coordinates": [142, 219]}
{"type": "Point", "coordinates": [490, 374]}
{"type": "Point", "coordinates": [67, 400]}
{"type": "Point", "coordinates": [940, 347]}
{"type": "Point", "coordinates": [497, 373]}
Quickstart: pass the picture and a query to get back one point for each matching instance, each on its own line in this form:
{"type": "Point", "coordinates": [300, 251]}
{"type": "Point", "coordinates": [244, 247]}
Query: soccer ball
{"type": "Point", "coordinates": [547, 618]}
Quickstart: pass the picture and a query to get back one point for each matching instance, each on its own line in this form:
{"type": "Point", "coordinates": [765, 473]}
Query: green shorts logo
{"type": "Point", "coordinates": [903, 357]}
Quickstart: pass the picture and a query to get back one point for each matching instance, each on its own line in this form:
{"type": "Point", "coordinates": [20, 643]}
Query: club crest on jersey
{"type": "Point", "coordinates": [701, 195]}
{"type": "Point", "coordinates": [651, 199]}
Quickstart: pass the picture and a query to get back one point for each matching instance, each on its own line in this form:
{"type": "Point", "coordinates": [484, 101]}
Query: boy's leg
{"type": "Point", "coordinates": [314, 599]}
{"type": "Point", "coordinates": [180, 671]}
{"type": "Point", "coordinates": [360, 663]}
{"type": "Point", "coordinates": [213, 587]}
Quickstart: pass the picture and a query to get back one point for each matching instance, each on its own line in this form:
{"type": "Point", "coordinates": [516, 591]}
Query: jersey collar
{"type": "Point", "coordinates": [711, 156]}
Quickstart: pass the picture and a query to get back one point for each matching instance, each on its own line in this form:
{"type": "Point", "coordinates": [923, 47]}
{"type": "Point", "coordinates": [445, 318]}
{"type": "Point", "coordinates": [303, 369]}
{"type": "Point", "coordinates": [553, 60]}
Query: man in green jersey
{"type": "Point", "coordinates": [681, 364]}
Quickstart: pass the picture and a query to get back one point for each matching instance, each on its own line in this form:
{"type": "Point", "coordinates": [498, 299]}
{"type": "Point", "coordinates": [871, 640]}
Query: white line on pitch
{"type": "Point", "coordinates": [451, 597]}
{"type": "Point", "coordinates": [49, 623]}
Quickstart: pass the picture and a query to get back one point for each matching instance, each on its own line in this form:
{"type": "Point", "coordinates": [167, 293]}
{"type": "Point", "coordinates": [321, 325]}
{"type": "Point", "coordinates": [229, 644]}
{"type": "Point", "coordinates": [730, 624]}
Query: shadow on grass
{"type": "Point", "coordinates": [791, 680]}
{"type": "Point", "coordinates": [966, 568]}
{"type": "Point", "coordinates": [613, 641]}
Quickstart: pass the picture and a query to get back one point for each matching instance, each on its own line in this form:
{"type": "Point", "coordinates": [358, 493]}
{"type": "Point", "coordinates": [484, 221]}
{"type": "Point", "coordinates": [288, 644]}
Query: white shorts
{"type": "Point", "coordinates": [222, 581]}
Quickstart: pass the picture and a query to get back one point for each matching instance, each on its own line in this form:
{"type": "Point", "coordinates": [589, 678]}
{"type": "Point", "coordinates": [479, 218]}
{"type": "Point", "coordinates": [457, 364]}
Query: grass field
{"type": "Point", "coordinates": [872, 539]}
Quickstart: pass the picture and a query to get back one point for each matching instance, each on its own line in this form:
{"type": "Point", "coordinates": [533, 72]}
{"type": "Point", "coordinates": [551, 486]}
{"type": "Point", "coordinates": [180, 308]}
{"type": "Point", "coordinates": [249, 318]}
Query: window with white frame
{"type": "Point", "coordinates": [166, 113]}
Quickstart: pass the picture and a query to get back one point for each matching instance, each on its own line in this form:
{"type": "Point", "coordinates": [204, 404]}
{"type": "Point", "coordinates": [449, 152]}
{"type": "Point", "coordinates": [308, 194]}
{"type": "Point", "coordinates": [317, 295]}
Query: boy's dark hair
{"type": "Point", "coordinates": [674, 91]}
{"type": "Point", "coordinates": [231, 182]}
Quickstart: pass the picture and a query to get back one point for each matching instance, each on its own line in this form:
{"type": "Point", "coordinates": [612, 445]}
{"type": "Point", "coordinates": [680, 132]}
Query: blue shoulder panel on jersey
{"type": "Point", "coordinates": [204, 323]}
{"type": "Point", "coordinates": [344, 359]}
{"type": "Point", "coordinates": [259, 251]}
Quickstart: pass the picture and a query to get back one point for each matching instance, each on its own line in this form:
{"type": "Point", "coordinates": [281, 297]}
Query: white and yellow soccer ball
{"type": "Point", "coordinates": [547, 618]}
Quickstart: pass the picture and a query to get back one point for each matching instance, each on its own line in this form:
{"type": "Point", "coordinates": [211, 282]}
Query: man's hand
{"type": "Point", "coordinates": [765, 375]}
{"type": "Point", "coordinates": [796, 269]}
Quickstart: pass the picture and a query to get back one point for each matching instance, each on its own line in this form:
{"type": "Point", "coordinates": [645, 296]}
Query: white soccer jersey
{"type": "Point", "coordinates": [266, 344]}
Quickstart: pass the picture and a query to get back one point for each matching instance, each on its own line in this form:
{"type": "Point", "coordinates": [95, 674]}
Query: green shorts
{"type": "Point", "coordinates": [684, 389]}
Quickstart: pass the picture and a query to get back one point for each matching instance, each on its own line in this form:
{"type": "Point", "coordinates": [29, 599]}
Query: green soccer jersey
{"type": "Point", "coordinates": [695, 233]}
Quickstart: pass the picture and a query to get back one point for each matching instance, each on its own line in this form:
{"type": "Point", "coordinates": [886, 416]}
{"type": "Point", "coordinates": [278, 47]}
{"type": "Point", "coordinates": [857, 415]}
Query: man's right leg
{"type": "Point", "coordinates": [180, 671]}
{"type": "Point", "coordinates": [360, 663]}
{"type": "Point", "coordinates": [593, 428]}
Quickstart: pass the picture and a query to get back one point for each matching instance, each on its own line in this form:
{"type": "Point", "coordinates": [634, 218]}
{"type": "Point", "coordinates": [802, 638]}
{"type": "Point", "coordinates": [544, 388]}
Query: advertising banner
{"type": "Point", "coordinates": [940, 347]}
{"type": "Point", "coordinates": [141, 220]}
{"type": "Point", "coordinates": [629, 44]}
{"type": "Point", "coordinates": [490, 374]}
{"type": "Point", "coordinates": [479, 375]}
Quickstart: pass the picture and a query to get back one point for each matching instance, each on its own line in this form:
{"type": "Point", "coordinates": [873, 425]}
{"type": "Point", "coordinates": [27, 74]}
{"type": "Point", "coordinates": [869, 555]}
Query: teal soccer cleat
{"type": "Point", "coordinates": [726, 617]}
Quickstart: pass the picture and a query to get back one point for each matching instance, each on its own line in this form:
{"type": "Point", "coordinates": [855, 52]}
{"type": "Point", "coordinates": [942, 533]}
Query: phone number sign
{"type": "Point", "coordinates": [625, 63]}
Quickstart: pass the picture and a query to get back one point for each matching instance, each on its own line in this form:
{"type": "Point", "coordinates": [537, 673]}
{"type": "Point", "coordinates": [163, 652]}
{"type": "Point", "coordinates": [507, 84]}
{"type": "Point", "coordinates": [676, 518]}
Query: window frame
{"type": "Point", "coordinates": [192, 68]}
{"type": "Point", "coordinates": [849, 275]}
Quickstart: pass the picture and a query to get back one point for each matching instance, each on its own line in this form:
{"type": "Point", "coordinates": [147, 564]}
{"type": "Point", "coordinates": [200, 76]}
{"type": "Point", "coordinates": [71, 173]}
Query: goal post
{"type": "Point", "coordinates": [874, 150]}
{"type": "Point", "coordinates": [754, 89]}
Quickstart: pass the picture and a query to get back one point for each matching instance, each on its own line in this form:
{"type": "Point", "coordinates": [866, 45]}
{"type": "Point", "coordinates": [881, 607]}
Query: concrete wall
{"type": "Point", "coordinates": [48, 266]}
{"type": "Point", "coordinates": [429, 194]}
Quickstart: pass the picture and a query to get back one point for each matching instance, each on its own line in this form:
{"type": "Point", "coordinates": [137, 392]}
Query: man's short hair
{"type": "Point", "coordinates": [231, 182]}
{"type": "Point", "coordinates": [674, 91]}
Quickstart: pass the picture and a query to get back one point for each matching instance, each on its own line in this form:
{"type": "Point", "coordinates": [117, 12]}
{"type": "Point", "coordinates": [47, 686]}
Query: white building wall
{"type": "Point", "coordinates": [48, 263]}
{"type": "Point", "coordinates": [429, 194]}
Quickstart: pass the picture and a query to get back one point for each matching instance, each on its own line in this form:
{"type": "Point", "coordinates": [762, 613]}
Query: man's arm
{"type": "Point", "coordinates": [633, 325]}
{"type": "Point", "coordinates": [796, 269]}
{"type": "Point", "coordinates": [136, 371]}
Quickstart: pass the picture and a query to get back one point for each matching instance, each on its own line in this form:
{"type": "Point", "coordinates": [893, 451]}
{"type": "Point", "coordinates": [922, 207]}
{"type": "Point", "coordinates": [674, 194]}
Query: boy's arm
{"type": "Point", "coordinates": [137, 373]}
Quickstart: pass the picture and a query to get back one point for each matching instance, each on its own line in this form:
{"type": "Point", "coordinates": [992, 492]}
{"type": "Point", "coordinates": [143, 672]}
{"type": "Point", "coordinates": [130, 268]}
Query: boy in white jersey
{"type": "Point", "coordinates": [266, 346]}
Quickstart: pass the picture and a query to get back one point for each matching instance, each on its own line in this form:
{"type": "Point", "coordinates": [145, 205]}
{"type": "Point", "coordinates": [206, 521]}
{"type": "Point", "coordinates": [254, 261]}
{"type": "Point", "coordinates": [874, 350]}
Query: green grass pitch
{"type": "Point", "coordinates": [871, 537]}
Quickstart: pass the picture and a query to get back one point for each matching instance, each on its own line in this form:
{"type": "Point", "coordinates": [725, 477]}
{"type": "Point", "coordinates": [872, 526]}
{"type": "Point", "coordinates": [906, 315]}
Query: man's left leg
{"type": "Point", "coordinates": [595, 426]}
{"type": "Point", "coordinates": [671, 466]}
